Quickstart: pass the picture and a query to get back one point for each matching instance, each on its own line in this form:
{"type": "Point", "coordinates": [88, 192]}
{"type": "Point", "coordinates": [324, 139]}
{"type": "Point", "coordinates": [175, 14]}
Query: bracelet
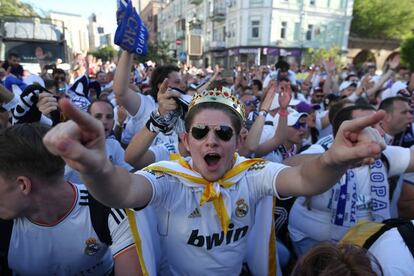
{"type": "Point", "coordinates": [263, 113]}
{"type": "Point", "coordinates": [283, 113]}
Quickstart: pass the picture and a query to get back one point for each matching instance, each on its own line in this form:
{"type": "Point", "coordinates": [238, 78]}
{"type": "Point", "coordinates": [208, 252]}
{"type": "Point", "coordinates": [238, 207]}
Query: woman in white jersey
{"type": "Point", "coordinates": [205, 204]}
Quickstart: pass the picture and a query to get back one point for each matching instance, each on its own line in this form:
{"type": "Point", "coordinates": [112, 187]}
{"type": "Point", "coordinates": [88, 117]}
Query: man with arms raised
{"type": "Point", "coordinates": [205, 204]}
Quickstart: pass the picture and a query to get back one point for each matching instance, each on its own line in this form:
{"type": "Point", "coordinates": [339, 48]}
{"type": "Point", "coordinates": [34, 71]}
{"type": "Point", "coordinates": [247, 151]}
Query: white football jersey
{"type": "Point", "coordinates": [70, 246]}
{"type": "Point", "coordinates": [192, 239]}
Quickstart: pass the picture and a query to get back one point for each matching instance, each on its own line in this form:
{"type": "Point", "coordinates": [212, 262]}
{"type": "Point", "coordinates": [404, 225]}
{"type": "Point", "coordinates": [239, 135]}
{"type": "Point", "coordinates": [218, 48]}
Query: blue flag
{"type": "Point", "coordinates": [131, 34]}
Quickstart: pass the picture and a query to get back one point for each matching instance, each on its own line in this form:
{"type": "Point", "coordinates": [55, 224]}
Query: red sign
{"type": "Point", "coordinates": [178, 42]}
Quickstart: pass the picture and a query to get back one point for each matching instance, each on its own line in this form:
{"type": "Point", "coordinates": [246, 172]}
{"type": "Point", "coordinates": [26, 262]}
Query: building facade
{"type": "Point", "coordinates": [149, 14]}
{"type": "Point", "coordinates": [254, 31]}
{"type": "Point", "coordinates": [97, 35]}
{"type": "Point", "coordinates": [76, 30]}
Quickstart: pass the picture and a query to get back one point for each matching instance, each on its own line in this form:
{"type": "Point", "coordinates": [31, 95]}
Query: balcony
{"type": "Point", "coordinates": [196, 2]}
{"type": "Point", "coordinates": [217, 45]}
{"type": "Point", "coordinates": [218, 14]}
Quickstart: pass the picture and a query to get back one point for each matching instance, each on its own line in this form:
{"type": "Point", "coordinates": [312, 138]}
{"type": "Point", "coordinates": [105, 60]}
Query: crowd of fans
{"type": "Point", "coordinates": [292, 116]}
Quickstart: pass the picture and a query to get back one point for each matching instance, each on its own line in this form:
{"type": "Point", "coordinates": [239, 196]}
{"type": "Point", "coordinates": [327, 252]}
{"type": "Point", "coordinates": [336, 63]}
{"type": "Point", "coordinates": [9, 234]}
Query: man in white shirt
{"type": "Point", "coordinates": [103, 111]}
{"type": "Point", "coordinates": [47, 223]}
{"type": "Point", "coordinates": [314, 219]}
{"type": "Point", "coordinates": [205, 204]}
{"type": "Point", "coordinates": [140, 106]}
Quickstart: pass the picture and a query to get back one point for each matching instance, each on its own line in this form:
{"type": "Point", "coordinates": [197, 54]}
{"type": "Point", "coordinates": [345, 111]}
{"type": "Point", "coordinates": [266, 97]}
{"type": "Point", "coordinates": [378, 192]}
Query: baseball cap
{"type": "Point", "coordinates": [398, 86]}
{"type": "Point", "coordinates": [294, 116]}
{"type": "Point", "coordinates": [304, 107]}
{"type": "Point", "coordinates": [345, 84]}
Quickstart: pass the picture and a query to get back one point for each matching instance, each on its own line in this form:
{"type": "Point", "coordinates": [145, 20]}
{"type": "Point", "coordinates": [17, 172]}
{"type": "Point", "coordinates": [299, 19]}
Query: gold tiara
{"type": "Point", "coordinates": [224, 97]}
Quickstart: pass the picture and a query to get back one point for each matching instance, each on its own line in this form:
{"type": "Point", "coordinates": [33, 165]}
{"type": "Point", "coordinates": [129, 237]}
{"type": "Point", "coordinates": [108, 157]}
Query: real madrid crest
{"type": "Point", "coordinates": [92, 246]}
{"type": "Point", "coordinates": [242, 208]}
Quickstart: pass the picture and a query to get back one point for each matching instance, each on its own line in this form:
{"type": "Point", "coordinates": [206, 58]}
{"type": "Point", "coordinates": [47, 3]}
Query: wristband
{"type": "Point", "coordinates": [283, 113]}
{"type": "Point", "coordinates": [165, 124]}
{"type": "Point", "coordinates": [263, 113]}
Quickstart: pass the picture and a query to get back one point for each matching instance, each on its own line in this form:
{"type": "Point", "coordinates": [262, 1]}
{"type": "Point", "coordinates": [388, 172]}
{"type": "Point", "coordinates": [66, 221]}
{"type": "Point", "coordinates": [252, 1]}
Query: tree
{"type": "Point", "coordinates": [316, 56]}
{"type": "Point", "coordinates": [16, 8]}
{"type": "Point", "coordinates": [407, 52]}
{"type": "Point", "coordinates": [383, 19]}
{"type": "Point", "coordinates": [105, 53]}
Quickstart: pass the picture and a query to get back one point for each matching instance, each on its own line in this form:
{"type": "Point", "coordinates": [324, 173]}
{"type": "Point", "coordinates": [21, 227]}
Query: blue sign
{"type": "Point", "coordinates": [182, 56]}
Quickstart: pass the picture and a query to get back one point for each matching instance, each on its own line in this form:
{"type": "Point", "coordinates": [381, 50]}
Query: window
{"type": "Point", "coordinates": [255, 28]}
{"type": "Point", "coordinates": [283, 29]}
{"type": "Point", "coordinates": [309, 32]}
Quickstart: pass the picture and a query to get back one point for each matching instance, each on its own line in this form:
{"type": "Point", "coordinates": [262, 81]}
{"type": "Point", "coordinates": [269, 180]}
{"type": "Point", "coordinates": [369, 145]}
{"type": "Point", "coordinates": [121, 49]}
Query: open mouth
{"type": "Point", "coordinates": [212, 159]}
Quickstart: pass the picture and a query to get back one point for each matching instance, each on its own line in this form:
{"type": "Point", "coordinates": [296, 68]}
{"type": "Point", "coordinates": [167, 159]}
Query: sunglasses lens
{"type": "Point", "coordinates": [224, 133]}
{"type": "Point", "coordinates": [199, 132]}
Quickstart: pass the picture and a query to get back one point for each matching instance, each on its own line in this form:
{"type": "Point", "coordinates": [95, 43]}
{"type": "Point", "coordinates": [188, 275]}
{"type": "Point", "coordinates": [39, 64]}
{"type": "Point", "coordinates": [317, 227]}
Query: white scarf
{"type": "Point", "coordinates": [344, 200]}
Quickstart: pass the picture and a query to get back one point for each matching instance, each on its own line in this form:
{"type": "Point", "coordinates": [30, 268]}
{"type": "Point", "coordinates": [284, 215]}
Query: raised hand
{"type": "Point", "coordinates": [394, 62]}
{"type": "Point", "coordinates": [165, 98]}
{"type": "Point", "coordinates": [122, 114]}
{"type": "Point", "coordinates": [329, 66]}
{"type": "Point", "coordinates": [285, 94]}
{"type": "Point", "coordinates": [357, 142]}
{"type": "Point", "coordinates": [269, 95]}
{"type": "Point", "coordinates": [46, 103]}
{"type": "Point", "coordinates": [80, 141]}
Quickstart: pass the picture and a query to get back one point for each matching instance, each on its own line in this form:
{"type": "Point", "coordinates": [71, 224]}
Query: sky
{"type": "Point", "coordinates": [105, 8]}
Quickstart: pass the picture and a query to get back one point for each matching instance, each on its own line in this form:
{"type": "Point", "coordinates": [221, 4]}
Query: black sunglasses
{"type": "Point", "coordinates": [199, 131]}
{"type": "Point", "coordinates": [299, 125]}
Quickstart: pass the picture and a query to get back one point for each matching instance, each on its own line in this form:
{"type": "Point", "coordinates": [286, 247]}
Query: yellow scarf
{"type": "Point", "coordinates": [209, 193]}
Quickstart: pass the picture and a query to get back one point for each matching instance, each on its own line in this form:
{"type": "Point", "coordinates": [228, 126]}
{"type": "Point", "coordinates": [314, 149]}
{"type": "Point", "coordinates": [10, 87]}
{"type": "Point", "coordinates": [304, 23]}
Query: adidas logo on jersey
{"type": "Point", "coordinates": [217, 239]}
{"type": "Point", "coordinates": [195, 213]}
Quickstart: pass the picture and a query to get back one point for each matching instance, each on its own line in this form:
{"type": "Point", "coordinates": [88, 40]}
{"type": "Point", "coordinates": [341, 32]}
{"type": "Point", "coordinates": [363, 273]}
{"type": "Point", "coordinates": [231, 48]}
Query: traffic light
{"type": "Point", "coordinates": [174, 54]}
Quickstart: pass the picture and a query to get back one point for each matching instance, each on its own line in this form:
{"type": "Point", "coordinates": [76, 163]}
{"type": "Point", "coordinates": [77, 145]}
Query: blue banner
{"type": "Point", "coordinates": [131, 34]}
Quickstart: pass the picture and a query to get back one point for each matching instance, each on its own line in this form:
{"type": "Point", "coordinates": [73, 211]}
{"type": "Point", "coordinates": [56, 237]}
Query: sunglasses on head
{"type": "Point", "coordinates": [299, 125]}
{"type": "Point", "coordinates": [200, 131]}
{"type": "Point", "coordinates": [404, 93]}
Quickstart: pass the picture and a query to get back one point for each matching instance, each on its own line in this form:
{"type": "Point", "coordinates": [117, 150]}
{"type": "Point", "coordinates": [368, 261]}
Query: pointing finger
{"type": "Point", "coordinates": [164, 86]}
{"type": "Point", "coordinates": [359, 124]}
{"type": "Point", "coordinates": [82, 119]}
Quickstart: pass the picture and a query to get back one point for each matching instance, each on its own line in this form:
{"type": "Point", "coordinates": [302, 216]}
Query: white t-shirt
{"type": "Point", "coordinates": [70, 246]}
{"type": "Point", "coordinates": [195, 231]}
{"type": "Point", "coordinates": [393, 254]}
{"type": "Point", "coordinates": [315, 223]}
{"type": "Point", "coordinates": [137, 121]}
{"type": "Point", "coordinates": [115, 153]}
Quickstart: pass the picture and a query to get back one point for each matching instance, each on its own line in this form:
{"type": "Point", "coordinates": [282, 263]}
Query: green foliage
{"type": "Point", "coordinates": [105, 53]}
{"type": "Point", "coordinates": [407, 52]}
{"type": "Point", "coordinates": [316, 56]}
{"type": "Point", "coordinates": [383, 19]}
{"type": "Point", "coordinates": [16, 8]}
